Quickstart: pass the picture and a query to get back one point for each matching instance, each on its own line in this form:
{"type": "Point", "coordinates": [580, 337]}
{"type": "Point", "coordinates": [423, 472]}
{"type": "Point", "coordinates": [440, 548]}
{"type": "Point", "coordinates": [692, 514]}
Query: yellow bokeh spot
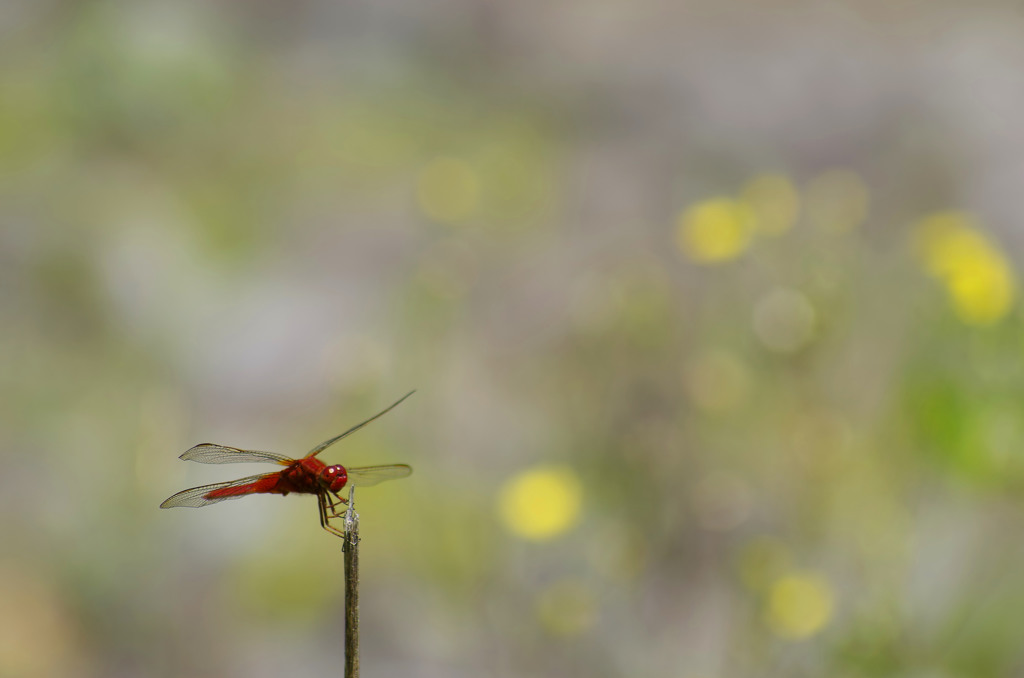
{"type": "Point", "coordinates": [774, 201]}
{"type": "Point", "coordinates": [448, 190]}
{"type": "Point", "coordinates": [541, 503]}
{"type": "Point", "coordinates": [836, 200]}
{"type": "Point", "coordinates": [979, 280]}
{"type": "Point", "coordinates": [567, 608]}
{"type": "Point", "coordinates": [715, 230]}
{"type": "Point", "coordinates": [799, 605]}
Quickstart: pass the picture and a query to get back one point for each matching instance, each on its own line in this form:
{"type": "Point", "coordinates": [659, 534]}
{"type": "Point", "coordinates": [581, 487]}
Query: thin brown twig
{"type": "Point", "coordinates": [351, 549]}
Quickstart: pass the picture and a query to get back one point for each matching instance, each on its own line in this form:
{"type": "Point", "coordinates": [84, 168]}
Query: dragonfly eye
{"type": "Point", "coordinates": [335, 477]}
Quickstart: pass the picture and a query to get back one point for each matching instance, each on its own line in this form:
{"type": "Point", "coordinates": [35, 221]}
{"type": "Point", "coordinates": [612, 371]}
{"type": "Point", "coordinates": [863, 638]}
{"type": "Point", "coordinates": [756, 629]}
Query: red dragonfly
{"type": "Point", "coordinates": [307, 475]}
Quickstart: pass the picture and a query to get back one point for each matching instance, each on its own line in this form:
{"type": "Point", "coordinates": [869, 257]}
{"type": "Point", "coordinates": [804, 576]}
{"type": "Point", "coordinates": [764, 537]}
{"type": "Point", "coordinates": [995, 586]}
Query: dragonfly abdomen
{"type": "Point", "coordinates": [263, 485]}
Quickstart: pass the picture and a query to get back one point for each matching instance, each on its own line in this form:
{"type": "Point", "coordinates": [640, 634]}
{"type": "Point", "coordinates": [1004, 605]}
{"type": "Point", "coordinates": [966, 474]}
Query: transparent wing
{"type": "Point", "coordinates": [371, 475]}
{"type": "Point", "coordinates": [211, 494]}
{"type": "Point", "coordinates": [327, 443]}
{"type": "Point", "coordinates": [209, 453]}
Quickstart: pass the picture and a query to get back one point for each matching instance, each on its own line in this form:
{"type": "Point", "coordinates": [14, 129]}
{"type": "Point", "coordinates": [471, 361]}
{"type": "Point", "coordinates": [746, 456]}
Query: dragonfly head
{"type": "Point", "coordinates": [334, 477]}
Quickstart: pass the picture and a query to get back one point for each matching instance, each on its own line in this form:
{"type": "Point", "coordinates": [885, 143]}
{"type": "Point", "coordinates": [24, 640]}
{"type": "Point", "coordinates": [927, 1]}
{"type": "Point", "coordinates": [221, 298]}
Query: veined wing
{"type": "Point", "coordinates": [232, 489]}
{"type": "Point", "coordinates": [209, 453]}
{"type": "Point", "coordinates": [327, 443]}
{"type": "Point", "coordinates": [371, 475]}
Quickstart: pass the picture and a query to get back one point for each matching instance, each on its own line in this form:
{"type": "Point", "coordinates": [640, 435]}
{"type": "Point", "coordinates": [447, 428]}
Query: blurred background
{"type": "Point", "coordinates": [712, 308]}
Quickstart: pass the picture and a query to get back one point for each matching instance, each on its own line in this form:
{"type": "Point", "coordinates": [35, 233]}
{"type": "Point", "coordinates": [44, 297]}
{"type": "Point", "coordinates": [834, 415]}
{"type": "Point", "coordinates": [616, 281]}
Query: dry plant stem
{"type": "Point", "coordinates": [351, 549]}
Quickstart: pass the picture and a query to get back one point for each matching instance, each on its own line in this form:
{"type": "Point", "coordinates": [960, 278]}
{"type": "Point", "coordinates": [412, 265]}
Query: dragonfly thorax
{"type": "Point", "coordinates": [334, 477]}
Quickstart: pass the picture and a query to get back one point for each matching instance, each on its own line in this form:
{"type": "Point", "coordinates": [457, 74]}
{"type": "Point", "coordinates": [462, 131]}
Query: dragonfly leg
{"type": "Point", "coordinates": [325, 518]}
{"type": "Point", "coordinates": [335, 504]}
